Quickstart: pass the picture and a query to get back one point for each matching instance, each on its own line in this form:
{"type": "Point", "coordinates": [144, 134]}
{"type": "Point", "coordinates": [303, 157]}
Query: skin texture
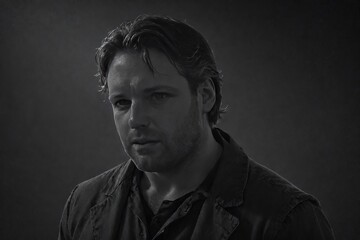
{"type": "Point", "coordinates": [162, 126]}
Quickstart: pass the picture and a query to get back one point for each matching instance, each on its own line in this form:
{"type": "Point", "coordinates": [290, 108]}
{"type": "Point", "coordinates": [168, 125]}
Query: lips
{"type": "Point", "coordinates": [143, 141]}
{"type": "Point", "coordinates": [145, 146]}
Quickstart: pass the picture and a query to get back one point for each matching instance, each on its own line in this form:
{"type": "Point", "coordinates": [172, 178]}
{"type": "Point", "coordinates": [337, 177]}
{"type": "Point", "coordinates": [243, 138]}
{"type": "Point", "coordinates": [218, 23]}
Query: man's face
{"type": "Point", "coordinates": [157, 118]}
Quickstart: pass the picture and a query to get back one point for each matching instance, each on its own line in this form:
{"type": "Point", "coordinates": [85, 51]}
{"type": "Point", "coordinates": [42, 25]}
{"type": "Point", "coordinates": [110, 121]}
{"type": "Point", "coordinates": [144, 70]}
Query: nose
{"type": "Point", "coordinates": [138, 115]}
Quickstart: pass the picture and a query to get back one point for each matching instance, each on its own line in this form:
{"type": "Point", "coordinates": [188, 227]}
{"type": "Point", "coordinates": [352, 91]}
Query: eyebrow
{"type": "Point", "coordinates": [160, 87]}
{"type": "Point", "coordinates": [112, 97]}
{"type": "Point", "coordinates": [147, 91]}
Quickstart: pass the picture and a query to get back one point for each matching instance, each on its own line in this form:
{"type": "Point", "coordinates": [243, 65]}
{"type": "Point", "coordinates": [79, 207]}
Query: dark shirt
{"type": "Point", "coordinates": [166, 210]}
{"type": "Point", "coordinates": [157, 222]}
{"type": "Point", "coordinates": [244, 201]}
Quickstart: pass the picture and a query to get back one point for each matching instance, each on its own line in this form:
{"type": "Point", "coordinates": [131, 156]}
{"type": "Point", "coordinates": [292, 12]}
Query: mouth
{"type": "Point", "coordinates": [144, 147]}
{"type": "Point", "coordinates": [143, 142]}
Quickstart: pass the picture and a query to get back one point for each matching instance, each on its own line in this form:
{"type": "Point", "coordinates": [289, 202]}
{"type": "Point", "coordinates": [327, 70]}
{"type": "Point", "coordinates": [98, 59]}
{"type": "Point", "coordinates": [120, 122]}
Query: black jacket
{"type": "Point", "coordinates": [246, 201]}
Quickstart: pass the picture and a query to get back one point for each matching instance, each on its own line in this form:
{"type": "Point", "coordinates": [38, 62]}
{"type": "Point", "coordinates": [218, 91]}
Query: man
{"type": "Point", "coordinates": [186, 179]}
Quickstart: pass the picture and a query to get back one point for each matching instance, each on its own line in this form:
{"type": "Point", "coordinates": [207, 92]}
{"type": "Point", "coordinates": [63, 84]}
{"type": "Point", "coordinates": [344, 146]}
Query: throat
{"type": "Point", "coordinates": [154, 198]}
{"type": "Point", "coordinates": [155, 201]}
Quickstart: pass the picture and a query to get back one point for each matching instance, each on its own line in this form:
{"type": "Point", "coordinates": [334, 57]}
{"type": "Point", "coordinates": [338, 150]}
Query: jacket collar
{"type": "Point", "coordinates": [232, 172]}
{"type": "Point", "coordinates": [123, 173]}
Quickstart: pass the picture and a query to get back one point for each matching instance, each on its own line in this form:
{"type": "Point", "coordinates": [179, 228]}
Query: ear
{"type": "Point", "coordinates": [206, 91]}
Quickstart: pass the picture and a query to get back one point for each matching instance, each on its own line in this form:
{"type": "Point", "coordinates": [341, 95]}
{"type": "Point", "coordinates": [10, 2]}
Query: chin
{"type": "Point", "coordinates": [144, 163]}
{"type": "Point", "coordinates": [149, 164]}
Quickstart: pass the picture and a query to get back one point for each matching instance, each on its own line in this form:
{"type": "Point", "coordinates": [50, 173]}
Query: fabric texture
{"type": "Point", "coordinates": [245, 201]}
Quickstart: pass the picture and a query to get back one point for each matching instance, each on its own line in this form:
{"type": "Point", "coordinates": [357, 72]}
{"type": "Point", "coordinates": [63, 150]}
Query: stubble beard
{"type": "Point", "coordinates": [187, 137]}
{"type": "Point", "coordinates": [178, 149]}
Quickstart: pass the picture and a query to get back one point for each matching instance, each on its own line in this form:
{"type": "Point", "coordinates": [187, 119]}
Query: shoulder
{"type": "Point", "coordinates": [94, 190]}
{"type": "Point", "coordinates": [270, 201]}
{"type": "Point", "coordinates": [88, 194]}
{"type": "Point", "coordinates": [272, 194]}
{"type": "Point", "coordinates": [269, 204]}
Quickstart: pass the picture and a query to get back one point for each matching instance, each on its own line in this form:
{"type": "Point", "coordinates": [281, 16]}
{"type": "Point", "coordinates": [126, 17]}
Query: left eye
{"type": "Point", "coordinates": [160, 96]}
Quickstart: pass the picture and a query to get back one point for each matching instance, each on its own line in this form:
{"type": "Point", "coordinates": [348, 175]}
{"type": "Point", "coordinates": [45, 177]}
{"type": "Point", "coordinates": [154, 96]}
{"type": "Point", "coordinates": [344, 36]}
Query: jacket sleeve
{"type": "Point", "coordinates": [305, 221]}
{"type": "Point", "coordinates": [64, 231]}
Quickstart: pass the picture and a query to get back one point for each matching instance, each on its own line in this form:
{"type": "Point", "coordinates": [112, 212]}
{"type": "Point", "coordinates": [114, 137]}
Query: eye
{"type": "Point", "coordinates": [122, 104]}
{"type": "Point", "coordinates": [160, 96]}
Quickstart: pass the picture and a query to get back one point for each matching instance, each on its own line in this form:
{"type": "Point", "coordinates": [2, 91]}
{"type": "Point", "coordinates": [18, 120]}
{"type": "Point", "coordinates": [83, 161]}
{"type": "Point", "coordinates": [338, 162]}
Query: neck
{"type": "Point", "coordinates": [186, 177]}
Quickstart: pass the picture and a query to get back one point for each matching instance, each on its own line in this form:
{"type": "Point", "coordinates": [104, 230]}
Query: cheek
{"type": "Point", "coordinates": [121, 124]}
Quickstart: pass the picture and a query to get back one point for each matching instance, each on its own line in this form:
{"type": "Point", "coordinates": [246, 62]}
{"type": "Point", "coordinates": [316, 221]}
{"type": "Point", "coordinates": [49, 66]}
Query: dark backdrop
{"type": "Point", "coordinates": [291, 79]}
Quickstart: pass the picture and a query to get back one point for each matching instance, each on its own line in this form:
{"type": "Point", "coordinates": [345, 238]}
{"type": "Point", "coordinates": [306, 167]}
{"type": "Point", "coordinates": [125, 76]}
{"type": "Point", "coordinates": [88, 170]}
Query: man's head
{"type": "Point", "coordinates": [185, 48]}
{"type": "Point", "coordinates": [164, 89]}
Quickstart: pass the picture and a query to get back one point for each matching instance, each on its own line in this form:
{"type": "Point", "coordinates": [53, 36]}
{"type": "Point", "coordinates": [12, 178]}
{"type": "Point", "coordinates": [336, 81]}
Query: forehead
{"type": "Point", "coordinates": [128, 70]}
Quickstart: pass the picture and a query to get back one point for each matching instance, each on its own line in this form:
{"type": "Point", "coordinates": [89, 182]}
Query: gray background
{"type": "Point", "coordinates": [291, 79]}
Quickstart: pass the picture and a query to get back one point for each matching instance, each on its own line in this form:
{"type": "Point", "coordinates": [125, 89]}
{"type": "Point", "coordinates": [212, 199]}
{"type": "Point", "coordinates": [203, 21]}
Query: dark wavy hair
{"type": "Point", "coordinates": [185, 48]}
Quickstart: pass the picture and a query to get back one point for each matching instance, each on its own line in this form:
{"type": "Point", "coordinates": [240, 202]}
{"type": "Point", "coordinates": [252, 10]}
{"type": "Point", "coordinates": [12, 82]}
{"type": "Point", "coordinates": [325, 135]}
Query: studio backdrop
{"type": "Point", "coordinates": [291, 83]}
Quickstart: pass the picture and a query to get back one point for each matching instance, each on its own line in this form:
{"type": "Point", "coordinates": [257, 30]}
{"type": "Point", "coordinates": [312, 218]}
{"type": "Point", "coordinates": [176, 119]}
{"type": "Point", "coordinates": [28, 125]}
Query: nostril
{"type": "Point", "coordinates": [138, 122]}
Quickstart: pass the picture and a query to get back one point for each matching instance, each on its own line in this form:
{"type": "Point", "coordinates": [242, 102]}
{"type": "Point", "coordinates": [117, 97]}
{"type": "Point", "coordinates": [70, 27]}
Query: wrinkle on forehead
{"type": "Point", "coordinates": [125, 69]}
{"type": "Point", "coordinates": [156, 60]}
{"type": "Point", "coordinates": [121, 59]}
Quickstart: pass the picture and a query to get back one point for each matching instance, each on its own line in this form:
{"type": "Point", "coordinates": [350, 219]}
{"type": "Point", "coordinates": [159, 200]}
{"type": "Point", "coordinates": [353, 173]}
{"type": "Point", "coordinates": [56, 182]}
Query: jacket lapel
{"type": "Point", "coordinates": [106, 215]}
{"type": "Point", "coordinates": [214, 221]}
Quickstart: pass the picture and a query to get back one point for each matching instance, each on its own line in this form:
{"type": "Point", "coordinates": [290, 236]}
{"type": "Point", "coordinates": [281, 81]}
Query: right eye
{"type": "Point", "coordinates": [122, 104]}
